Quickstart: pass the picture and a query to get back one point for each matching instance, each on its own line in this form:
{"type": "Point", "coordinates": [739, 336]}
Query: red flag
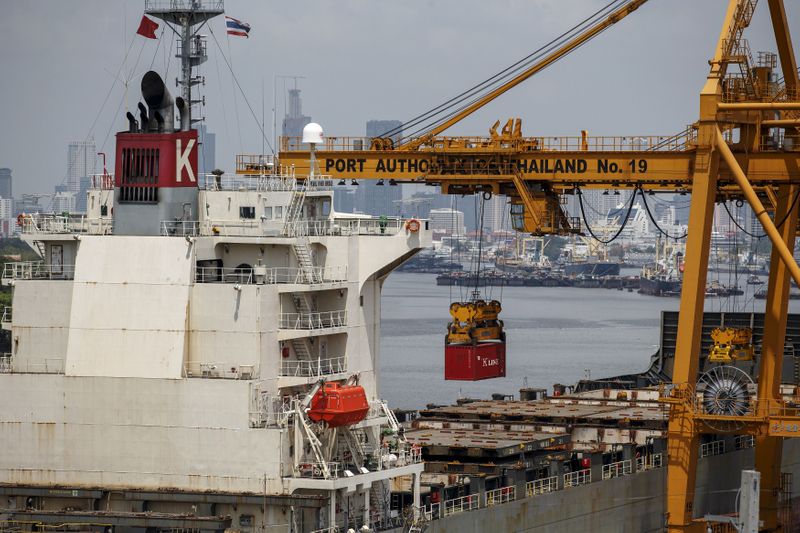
{"type": "Point", "coordinates": [147, 28]}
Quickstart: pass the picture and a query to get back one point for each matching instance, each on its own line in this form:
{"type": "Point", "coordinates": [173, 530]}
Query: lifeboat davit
{"type": "Point", "coordinates": [339, 405]}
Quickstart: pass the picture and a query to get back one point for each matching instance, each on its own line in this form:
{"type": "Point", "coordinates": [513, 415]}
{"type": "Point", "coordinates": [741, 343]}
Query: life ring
{"type": "Point", "coordinates": [20, 220]}
{"type": "Point", "coordinates": [413, 225]}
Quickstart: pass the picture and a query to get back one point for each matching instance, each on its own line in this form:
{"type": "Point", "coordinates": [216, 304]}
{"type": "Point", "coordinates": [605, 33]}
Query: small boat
{"type": "Point", "coordinates": [754, 280]}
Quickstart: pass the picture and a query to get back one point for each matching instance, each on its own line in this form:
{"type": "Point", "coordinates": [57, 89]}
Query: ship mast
{"type": "Point", "coordinates": [185, 18]}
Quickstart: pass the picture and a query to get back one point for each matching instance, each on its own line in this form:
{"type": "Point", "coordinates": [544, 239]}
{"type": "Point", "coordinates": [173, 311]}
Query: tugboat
{"type": "Point", "coordinates": [754, 280]}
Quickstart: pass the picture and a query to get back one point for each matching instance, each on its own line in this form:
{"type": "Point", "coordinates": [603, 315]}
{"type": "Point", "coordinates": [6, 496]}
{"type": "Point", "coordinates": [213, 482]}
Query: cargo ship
{"type": "Point", "coordinates": [200, 353]}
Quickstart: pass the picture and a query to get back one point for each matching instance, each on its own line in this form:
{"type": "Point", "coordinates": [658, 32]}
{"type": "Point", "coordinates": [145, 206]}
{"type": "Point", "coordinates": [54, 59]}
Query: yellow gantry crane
{"type": "Point", "coordinates": [745, 145]}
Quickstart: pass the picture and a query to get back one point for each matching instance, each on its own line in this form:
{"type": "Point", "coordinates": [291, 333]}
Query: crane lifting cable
{"type": "Point", "coordinates": [655, 223]}
{"type": "Point", "coordinates": [621, 227]}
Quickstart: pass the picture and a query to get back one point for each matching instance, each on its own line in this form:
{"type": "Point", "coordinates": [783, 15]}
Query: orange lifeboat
{"type": "Point", "coordinates": [339, 405]}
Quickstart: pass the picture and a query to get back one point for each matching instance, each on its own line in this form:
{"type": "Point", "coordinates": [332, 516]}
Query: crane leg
{"type": "Point", "coordinates": [769, 449]}
{"type": "Point", "coordinates": [683, 439]}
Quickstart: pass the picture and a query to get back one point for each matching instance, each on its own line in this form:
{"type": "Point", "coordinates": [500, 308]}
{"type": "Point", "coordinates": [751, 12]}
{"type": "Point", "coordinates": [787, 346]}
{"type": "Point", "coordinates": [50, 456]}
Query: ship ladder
{"type": "Point", "coordinates": [293, 210]}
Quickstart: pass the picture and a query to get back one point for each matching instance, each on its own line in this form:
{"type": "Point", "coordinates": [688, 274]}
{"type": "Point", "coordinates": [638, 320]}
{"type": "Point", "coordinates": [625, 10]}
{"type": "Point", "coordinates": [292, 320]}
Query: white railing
{"type": "Point", "coordinates": [319, 320]}
{"type": "Point", "coordinates": [266, 410]}
{"type": "Point", "coordinates": [740, 442]}
{"type": "Point", "coordinates": [183, 5]}
{"type": "Point", "coordinates": [314, 368]}
{"type": "Point", "coordinates": [7, 312]}
{"type": "Point", "coordinates": [103, 182]}
{"type": "Point", "coordinates": [6, 362]}
{"type": "Point", "coordinates": [501, 495]}
{"type": "Point", "coordinates": [266, 183]}
{"type": "Point", "coordinates": [219, 370]}
{"type": "Point", "coordinates": [432, 511]}
{"type": "Point", "coordinates": [385, 459]}
{"type": "Point", "coordinates": [179, 228]}
{"type": "Point", "coordinates": [39, 365]}
{"type": "Point", "coordinates": [715, 447]}
{"type": "Point", "coordinates": [40, 224]}
{"type": "Point", "coordinates": [346, 226]}
{"type": "Point", "coordinates": [460, 505]}
{"type": "Point", "coordinates": [541, 486]}
{"type": "Point", "coordinates": [37, 270]}
{"type": "Point", "coordinates": [620, 468]}
{"type": "Point", "coordinates": [648, 462]}
{"type": "Point", "coordinates": [270, 275]}
{"type": "Point", "coordinates": [579, 477]}
{"type": "Point", "coordinates": [332, 529]}
{"type": "Point", "coordinates": [233, 228]}
{"type": "Point", "coordinates": [317, 470]}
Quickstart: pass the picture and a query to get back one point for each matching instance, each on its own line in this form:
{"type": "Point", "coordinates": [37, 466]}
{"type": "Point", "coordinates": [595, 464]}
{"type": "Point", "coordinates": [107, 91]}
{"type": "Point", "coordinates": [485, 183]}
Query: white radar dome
{"type": "Point", "coordinates": [312, 133]}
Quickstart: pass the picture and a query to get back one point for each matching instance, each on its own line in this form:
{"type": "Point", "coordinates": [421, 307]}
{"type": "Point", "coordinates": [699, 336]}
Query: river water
{"type": "Point", "coordinates": [554, 335]}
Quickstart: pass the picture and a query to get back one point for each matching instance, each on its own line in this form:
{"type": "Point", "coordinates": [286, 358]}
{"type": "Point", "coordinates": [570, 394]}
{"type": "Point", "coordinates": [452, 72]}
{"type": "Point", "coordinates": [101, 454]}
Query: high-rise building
{"type": "Point", "coordinates": [8, 224]}
{"type": "Point", "coordinates": [496, 215]}
{"type": "Point", "coordinates": [447, 220]}
{"type": "Point", "coordinates": [82, 194]}
{"type": "Point", "coordinates": [5, 183]}
{"type": "Point", "coordinates": [207, 155]}
{"type": "Point", "coordinates": [64, 200]}
{"type": "Point", "coordinates": [344, 201]}
{"type": "Point", "coordinates": [81, 162]}
{"type": "Point", "coordinates": [294, 120]}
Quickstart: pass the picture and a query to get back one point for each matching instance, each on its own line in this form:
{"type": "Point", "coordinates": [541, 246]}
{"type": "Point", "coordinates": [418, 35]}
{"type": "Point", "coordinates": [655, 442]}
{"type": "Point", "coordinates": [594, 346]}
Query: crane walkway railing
{"type": "Point", "coordinates": [576, 143]}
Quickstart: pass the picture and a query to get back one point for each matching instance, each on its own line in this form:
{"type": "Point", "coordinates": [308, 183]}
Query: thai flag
{"type": "Point", "coordinates": [237, 27]}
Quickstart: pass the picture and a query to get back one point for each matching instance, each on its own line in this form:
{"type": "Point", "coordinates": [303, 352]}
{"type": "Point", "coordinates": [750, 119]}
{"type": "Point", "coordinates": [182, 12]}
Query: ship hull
{"type": "Point", "coordinates": [659, 287]}
{"type": "Point", "coordinates": [592, 269]}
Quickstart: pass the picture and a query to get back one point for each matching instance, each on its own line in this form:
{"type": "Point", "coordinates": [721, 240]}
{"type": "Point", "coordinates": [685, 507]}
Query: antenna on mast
{"type": "Point", "coordinates": [185, 18]}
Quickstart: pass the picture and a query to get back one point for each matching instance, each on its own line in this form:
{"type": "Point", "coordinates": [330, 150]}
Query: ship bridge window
{"type": "Point", "coordinates": [247, 211]}
{"type": "Point", "coordinates": [139, 182]}
{"type": "Point", "coordinates": [326, 207]}
{"type": "Point", "coordinates": [267, 213]}
{"type": "Point", "coordinates": [278, 212]}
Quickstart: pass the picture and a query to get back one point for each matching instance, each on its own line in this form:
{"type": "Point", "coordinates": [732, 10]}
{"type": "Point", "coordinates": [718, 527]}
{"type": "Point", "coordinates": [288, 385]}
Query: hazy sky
{"type": "Point", "coordinates": [362, 59]}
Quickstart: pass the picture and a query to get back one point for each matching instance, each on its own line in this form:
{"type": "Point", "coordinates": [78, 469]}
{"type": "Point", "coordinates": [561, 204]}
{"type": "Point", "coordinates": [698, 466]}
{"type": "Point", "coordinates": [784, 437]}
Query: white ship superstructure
{"type": "Point", "coordinates": [171, 348]}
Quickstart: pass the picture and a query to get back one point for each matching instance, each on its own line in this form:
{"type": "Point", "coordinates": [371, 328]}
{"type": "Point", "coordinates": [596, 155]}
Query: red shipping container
{"type": "Point", "coordinates": [466, 362]}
